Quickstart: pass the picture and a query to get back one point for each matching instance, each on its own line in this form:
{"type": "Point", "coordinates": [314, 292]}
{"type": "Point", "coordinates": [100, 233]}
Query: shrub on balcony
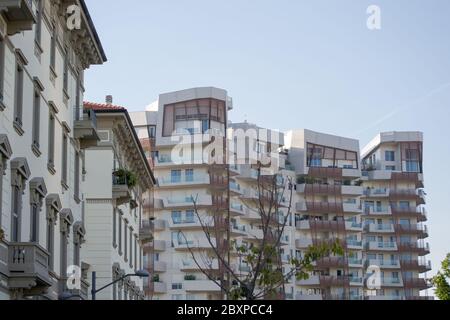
{"type": "Point", "coordinates": [126, 177]}
{"type": "Point", "coordinates": [156, 278]}
{"type": "Point", "coordinates": [189, 277]}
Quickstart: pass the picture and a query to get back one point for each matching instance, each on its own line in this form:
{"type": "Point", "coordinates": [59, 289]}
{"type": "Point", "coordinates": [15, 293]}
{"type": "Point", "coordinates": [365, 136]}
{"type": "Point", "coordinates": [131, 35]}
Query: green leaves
{"type": "Point", "coordinates": [440, 281]}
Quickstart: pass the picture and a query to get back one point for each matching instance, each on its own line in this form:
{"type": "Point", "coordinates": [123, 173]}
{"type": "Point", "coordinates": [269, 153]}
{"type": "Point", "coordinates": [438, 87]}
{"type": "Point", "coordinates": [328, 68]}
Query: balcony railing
{"type": "Point", "coordinates": [85, 129]}
{"type": "Point", "coordinates": [28, 266]}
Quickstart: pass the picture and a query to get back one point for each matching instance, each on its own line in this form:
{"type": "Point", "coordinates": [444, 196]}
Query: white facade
{"type": "Point", "coordinates": [113, 207]}
{"type": "Point", "coordinates": [42, 90]}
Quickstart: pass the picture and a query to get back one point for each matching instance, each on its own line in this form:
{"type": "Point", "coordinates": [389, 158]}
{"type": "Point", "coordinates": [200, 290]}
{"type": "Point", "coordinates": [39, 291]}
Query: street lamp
{"type": "Point", "coordinates": [94, 290]}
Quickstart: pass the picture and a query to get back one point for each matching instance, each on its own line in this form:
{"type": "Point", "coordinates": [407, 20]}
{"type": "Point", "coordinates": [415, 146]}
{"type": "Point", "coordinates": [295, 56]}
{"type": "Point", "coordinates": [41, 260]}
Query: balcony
{"type": "Point", "coordinates": [85, 129]}
{"type": "Point", "coordinates": [120, 189]}
{"type": "Point", "coordinates": [179, 182]}
{"type": "Point", "coordinates": [419, 213]}
{"type": "Point", "coordinates": [331, 262]}
{"type": "Point", "coordinates": [303, 243]}
{"type": "Point", "coordinates": [324, 189]}
{"type": "Point", "coordinates": [332, 281]}
{"type": "Point", "coordinates": [235, 189]}
{"type": "Point", "coordinates": [352, 190]}
{"type": "Point", "coordinates": [320, 207]}
{"type": "Point", "coordinates": [377, 193]}
{"type": "Point", "coordinates": [159, 287]}
{"type": "Point", "coordinates": [353, 226]}
{"type": "Point", "coordinates": [378, 211]}
{"type": "Point", "coordinates": [417, 283]}
{"type": "Point", "coordinates": [188, 223]}
{"type": "Point", "coordinates": [381, 246]}
{"type": "Point", "coordinates": [237, 209]}
{"type": "Point", "coordinates": [420, 248]}
{"type": "Point", "coordinates": [311, 281]}
{"type": "Point", "coordinates": [197, 244]}
{"type": "Point", "coordinates": [308, 297]}
{"type": "Point", "coordinates": [380, 228]}
{"type": "Point", "coordinates": [201, 286]}
{"type": "Point", "coordinates": [351, 207]}
{"type": "Point", "coordinates": [356, 281]}
{"type": "Point", "coordinates": [355, 263]}
{"type": "Point", "coordinates": [391, 282]}
{"type": "Point", "coordinates": [29, 268]}
{"type": "Point", "coordinates": [19, 14]}
{"type": "Point", "coordinates": [417, 229]}
{"type": "Point", "coordinates": [189, 265]}
{"type": "Point", "coordinates": [238, 230]}
{"type": "Point", "coordinates": [421, 265]}
{"type": "Point", "coordinates": [186, 202]}
{"type": "Point", "coordinates": [384, 264]}
{"type": "Point", "coordinates": [354, 244]}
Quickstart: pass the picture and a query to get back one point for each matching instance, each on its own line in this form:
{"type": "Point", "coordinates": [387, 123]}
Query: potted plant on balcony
{"type": "Point", "coordinates": [189, 277]}
{"type": "Point", "coordinates": [156, 278]}
{"type": "Point", "coordinates": [126, 177]}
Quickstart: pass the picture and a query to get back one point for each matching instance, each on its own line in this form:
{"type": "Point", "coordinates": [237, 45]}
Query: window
{"type": "Point", "coordinates": [176, 176]}
{"type": "Point", "coordinates": [390, 168]}
{"type": "Point", "coordinates": [78, 239]}
{"type": "Point", "coordinates": [2, 71]}
{"type": "Point", "coordinates": [66, 73]}
{"type": "Point", "coordinates": [176, 217]}
{"type": "Point", "coordinates": [412, 166]}
{"type": "Point", "coordinates": [51, 143]}
{"type": "Point", "coordinates": [205, 126]}
{"type": "Point", "coordinates": [115, 228]}
{"type": "Point", "coordinates": [151, 131]}
{"type": "Point", "coordinates": [120, 233]}
{"type": "Point", "coordinates": [190, 216]}
{"type": "Point", "coordinates": [135, 252]}
{"type": "Point", "coordinates": [177, 286]}
{"type": "Point", "coordinates": [131, 247]}
{"type": "Point", "coordinates": [18, 105]}
{"type": "Point", "coordinates": [38, 30]}
{"type": "Point", "coordinates": [404, 204]}
{"type": "Point", "coordinates": [64, 159]}
{"type": "Point", "coordinates": [36, 118]}
{"type": "Point", "coordinates": [38, 191]}
{"type": "Point", "coordinates": [189, 175]}
{"type": "Point", "coordinates": [16, 213]}
{"type": "Point", "coordinates": [389, 155]}
{"type": "Point", "coordinates": [53, 48]}
{"type": "Point", "coordinates": [125, 238]}
{"type": "Point", "coordinates": [77, 177]}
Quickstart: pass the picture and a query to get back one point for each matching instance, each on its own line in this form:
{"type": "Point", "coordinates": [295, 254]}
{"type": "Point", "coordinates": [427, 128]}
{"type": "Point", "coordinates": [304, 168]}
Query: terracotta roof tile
{"type": "Point", "coordinates": [101, 106]}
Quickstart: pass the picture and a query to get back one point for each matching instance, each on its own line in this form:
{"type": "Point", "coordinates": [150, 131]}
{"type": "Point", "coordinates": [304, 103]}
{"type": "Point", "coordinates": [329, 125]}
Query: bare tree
{"type": "Point", "coordinates": [265, 277]}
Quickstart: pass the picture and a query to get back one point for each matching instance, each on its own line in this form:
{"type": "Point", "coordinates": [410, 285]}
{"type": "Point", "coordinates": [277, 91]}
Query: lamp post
{"type": "Point", "coordinates": [94, 290]}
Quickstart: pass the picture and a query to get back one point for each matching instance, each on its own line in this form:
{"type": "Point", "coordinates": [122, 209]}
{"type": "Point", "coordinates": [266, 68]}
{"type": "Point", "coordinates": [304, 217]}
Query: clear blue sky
{"type": "Point", "coordinates": [294, 64]}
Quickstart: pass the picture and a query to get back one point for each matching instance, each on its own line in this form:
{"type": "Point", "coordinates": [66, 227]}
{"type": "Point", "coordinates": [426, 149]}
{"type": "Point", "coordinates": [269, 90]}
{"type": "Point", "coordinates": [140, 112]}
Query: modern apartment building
{"type": "Point", "coordinates": [394, 214]}
{"type": "Point", "coordinates": [327, 207]}
{"type": "Point", "coordinates": [43, 134]}
{"type": "Point", "coordinates": [336, 195]}
{"type": "Point", "coordinates": [118, 176]}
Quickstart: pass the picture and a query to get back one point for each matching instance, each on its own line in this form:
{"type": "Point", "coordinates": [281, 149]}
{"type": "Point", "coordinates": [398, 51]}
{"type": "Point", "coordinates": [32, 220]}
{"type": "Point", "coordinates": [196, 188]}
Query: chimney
{"type": "Point", "coordinates": [109, 99]}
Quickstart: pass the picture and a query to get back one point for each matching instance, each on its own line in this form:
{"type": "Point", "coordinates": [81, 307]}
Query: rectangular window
{"type": "Point", "coordinates": [50, 242]}
{"type": "Point", "coordinates": [135, 252]}
{"type": "Point", "coordinates": [190, 218]}
{"type": "Point", "coordinates": [120, 235]}
{"type": "Point", "coordinates": [51, 141]}
{"type": "Point", "coordinates": [189, 175]}
{"type": "Point", "coordinates": [2, 70]}
{"type": "Point", "coordinates": [66, 72]}
{"type": "Point", "coordinates": [125, 239]}
{"type": "Point", "coordinates": [77, 177]}
{"type": "Point", "coordinates": [152, 132]}
{"type": "Point", "coordinates": [177, 286]}
{"type": "Point", "coordinates": [389, 156]}
{"type": "Point", "coordinates": [36, 118]}
{"type": "Point", "coordinates": [64, 158]}
{"type": "Point", "coordinates": [176, 176]}
{"type": "Point", "coordinates": [114, 227]}
{"type": "Point", "coordinates": [131, 247]}
{"type": "Point", "coordinates": [16, 212]}
{"type": "Point", "coordinates": [63, 252]}
{"type": "Point", "coordinates": [38, 30]}
{"type": "Point", "coordinates": [412, 166]}
{"type": "Point", "coordinates": [34, 223]}
{"type": "Point", "coordinates": [53, 48]}
{"type": "Point", "coordinates": [76, 255]}
{"type": "Point", "coordinates": [176, 217]}
{"type": "Point", "coordinates": [18, 105]}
